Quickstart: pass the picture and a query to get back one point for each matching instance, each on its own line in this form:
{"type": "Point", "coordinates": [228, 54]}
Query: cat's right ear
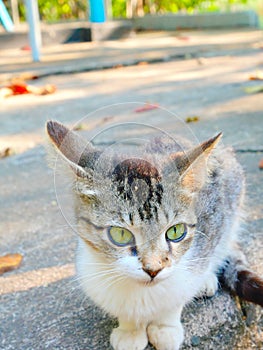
{"type": "Point", "coordinates": [76, 151]}
{"type": "Point", "coordinates": [191, 166]}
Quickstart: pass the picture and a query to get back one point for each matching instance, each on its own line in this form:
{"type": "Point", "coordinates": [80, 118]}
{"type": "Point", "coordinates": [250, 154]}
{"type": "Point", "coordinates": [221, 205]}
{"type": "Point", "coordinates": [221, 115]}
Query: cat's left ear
{"type": "Point", "coordinates": [77, 152]}
{"type": "Point", "coordinates": [192, 164]}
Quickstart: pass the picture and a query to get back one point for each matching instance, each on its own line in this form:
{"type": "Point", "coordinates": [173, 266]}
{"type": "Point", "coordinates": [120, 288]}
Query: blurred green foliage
{"type": "Point", "coordinates": [189, 6]}
{"type": "Point", "coordinates": [59, 10]}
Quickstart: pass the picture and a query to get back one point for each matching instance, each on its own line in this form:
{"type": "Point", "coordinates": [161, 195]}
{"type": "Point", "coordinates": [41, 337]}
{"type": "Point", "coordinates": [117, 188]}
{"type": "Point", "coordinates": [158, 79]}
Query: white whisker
{"type": "Point", "coordinates": [203, 234]}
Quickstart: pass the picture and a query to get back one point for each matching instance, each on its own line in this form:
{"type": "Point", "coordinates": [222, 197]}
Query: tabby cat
{"type": "Point", "coordinates": [155, 229]}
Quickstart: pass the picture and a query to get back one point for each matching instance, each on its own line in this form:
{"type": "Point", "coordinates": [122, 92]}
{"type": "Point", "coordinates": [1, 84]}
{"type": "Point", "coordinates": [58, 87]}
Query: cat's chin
{"type": "Point", "coordinates": [150, 282]}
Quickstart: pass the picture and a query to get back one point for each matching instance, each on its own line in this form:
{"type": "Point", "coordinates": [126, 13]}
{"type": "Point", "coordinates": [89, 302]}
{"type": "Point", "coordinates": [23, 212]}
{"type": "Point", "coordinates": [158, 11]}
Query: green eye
{"type": "Point", "coordinates": [176, 233]}
{"type": "Point", "coordinates": [120, 236]}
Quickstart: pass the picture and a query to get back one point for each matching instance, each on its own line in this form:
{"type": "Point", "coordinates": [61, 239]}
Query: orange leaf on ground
{"type": "Point", "coordinates": [146, 108]}
{"type": "Point", "coordinates": [10, 262]}
{"type": "Point", "coordinates": [26, 48]}
{"type": "Point", "coordinates": [257, 76]}
{"type": "Point", "coordinates": [19, 88]}
{"type": "Point", "coordinates": [181, 37]}
{"type": "Point", "coordinates": [143, 63]}
{"type": "Point", "coordinates": [260, 164]}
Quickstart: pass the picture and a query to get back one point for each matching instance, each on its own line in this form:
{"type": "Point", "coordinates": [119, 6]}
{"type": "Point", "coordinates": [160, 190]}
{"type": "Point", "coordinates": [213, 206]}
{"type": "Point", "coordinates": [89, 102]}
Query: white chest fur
{"type": "Point", "coordinates": [124, 297]}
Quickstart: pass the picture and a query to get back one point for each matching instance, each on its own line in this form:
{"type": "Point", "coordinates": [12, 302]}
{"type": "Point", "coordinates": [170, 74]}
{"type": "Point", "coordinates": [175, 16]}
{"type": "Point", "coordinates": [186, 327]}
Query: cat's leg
{"type": "Point", "coordinates": [210, 286]}
{"type": "Point", "coordinates": [167, 332]}
{"type": "Point", "coordinates": [129, 336]}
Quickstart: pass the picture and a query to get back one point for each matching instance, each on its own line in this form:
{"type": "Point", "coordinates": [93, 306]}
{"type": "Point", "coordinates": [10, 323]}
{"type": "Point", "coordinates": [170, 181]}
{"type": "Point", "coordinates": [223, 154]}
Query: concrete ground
{"type": "Point", "coordinates": [200, 74]}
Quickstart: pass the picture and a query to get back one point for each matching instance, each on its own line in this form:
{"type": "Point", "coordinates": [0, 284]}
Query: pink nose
{"type": "Point", "coordinates": [152, 273]}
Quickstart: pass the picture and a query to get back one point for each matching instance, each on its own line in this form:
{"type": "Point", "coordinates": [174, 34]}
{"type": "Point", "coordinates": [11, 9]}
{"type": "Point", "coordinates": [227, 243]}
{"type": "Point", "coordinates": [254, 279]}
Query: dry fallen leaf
{"type": "Point", "coordinates": [10, 262]}
{"type": "Point", "coordinates": [44, 90]}
{"type": "Point", "coordinates": [27, 76]}
{"type": "Point", "coordinates": [90, 126]}
{"type": "Point", "coordinates": [5, 92]}
{"type": "Point", "coordinates": [182, 37]}
{"type": "Point", "coordinates": [18, 86]}
{"type": "Point", "coordinates": [146, 108]}
{"type": "Point", "coordinates": [192, 119]}
{"type": "Point", "coordinates": [26, 48]}
{"type": "Point", "coordinates": [257, 76]}
{"type": "Point", "coordinates": [260, 164]}
{"type": "Point", "coordinates": [7, 152]}
{"type": "Point", "coordinates": [79, 127]}
{"type": "Point", "coordinates": [254, 89]}
{"type": "Point", "coordinates": [143, 63]}
{"type": "Point", "coordinates": [119, 65]}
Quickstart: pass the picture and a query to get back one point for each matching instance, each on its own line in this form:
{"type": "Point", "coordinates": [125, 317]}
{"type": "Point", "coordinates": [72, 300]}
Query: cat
{"type": "Point", "coordinates": [155, 229]}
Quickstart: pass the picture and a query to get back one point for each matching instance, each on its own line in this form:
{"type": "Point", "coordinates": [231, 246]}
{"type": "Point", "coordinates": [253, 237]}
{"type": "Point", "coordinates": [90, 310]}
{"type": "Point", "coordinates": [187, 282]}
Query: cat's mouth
{"type": "Point", "coordinates": [150, 282]}
{"type": "Point", "coordinates": [147, 283]}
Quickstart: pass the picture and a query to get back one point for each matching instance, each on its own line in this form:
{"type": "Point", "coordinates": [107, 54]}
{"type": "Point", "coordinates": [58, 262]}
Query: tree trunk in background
{"type": "Point", "coordinates": [152, 6]}
{"type": "Point", "coordinates": [130, 7]}
{"type": "Point", "coordinates": [15, 12]}
{"type": "Point", "coordinates": [139, 8]}
{"type": "Point", "coordinates": [109, 9]}
{"type": "Point", "coordinates": [135, 8]}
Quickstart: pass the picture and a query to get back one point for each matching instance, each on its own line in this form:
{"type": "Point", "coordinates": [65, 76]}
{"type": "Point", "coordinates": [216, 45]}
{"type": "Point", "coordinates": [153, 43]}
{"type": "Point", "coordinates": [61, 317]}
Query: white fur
{"type": "Point", "coordinates": [129, 337]}
{"type": "Point", "coordinates": [166, 333]}
{"type": "Point", "coordinates": [124, 290]}
{"type": "Point", "coordinates": [210, 287]}
{"type": "Point", "coordinates": [166, 337]}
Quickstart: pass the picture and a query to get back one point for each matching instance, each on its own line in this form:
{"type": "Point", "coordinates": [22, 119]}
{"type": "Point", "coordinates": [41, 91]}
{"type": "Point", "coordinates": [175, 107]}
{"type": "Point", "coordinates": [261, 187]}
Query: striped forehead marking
{"type": "Point", "coordinates": [127, 173]}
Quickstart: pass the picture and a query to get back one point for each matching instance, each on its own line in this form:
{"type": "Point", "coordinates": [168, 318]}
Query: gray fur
{"type": "Point", "coordinates": [147, 192]}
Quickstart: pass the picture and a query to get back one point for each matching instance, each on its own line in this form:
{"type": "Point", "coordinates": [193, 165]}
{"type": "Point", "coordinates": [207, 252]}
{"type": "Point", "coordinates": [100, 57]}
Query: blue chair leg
{"type": "Point", "coordinates": [5, 18]}
{"type": "Point", "coordinates": [97, 11]}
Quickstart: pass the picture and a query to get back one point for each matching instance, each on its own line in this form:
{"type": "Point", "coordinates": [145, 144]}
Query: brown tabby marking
{"type": "Point", "coordinates": [126, 175]}
{"type": "Point", "coordinates": [249, 287]}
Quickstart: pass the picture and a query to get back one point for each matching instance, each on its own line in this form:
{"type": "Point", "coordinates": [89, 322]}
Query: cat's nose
{"type": "Point", "coordinates": [152, 273]}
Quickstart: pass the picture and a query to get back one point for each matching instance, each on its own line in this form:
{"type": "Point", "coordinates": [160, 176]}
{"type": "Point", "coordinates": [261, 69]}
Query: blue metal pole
{"type": "Point", "coordinates": [97, 11]}
{"type": "Point", "coordinates": [32, 15]}
{"type": "Point", "coordinates": [5, 18]}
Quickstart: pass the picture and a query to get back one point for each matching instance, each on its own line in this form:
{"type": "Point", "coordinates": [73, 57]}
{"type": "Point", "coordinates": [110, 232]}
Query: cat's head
{"type": "Point", "coordinates": [135, 211]}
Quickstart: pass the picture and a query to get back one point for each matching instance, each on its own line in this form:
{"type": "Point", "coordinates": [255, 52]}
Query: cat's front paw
{"type": "Point", "coordinates": [128, 340]}
{"type": "Point", "coordinates": [166, 337]}
{"type": "Point", "coordinates": [210, 287]}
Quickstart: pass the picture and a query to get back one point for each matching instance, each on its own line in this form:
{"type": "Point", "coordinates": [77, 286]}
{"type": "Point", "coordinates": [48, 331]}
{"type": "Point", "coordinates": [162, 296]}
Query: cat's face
{"type": "Point", "coordinates": [143, 235]}
{"type": "Point", "coordinates": [136, 214]}
{"type": "Point", "coordinates": [145, 254]}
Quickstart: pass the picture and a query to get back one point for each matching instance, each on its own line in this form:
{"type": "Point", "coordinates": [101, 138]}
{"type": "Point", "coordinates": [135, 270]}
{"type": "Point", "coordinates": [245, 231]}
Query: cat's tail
{"type": "Point", "coordinates": [241, 280]}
